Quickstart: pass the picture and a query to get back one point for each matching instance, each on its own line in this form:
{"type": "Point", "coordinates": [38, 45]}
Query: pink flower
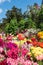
{"type": "Point", "coordinates": [21, 60]}
{"type": "Point", "coordinates": [10, 61]}
{"type": "Point", "coordinates": [35, 63]}
{"type": "Point", "coordinates": [1, 49]}
{"type": "Point", "coordinates": [9, 37]}
{"type": "Point", "coordinates": [1, 56]}
{"type": "Point", "coordinates": [28, 63]}
{"type": "Point", "coordinates": [40, 57]}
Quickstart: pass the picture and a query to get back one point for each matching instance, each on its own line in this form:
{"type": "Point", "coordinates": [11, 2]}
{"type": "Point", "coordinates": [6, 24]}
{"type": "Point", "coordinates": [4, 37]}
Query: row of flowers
{"type": "Point", "coordinates": [20, 50]}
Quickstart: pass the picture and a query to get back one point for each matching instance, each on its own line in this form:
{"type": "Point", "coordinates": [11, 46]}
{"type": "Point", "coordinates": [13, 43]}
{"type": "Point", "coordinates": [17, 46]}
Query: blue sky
{"type": "Point", "coordinates": [8, 4]}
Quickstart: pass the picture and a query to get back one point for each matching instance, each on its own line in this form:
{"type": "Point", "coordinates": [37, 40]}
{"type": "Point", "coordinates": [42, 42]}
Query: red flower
{"type": "Point", "coordinates": [28, 57]}
{"type": "Point", "coordinates": [28, 42]}
{"type": "Point", "coordinates": [33, 39]}
{"type": "Point", "coordinates": [34, 42]}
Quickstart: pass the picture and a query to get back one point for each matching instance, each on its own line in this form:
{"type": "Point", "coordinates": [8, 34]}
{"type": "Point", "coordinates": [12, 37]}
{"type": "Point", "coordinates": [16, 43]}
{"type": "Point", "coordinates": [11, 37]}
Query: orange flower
{"type": "Point", "coordinates": [40, 44]}
{"type": "Point", "coordinates": [21, 36]}
{"type": "Point", "coordinates": [34, 43]}
{"type": "Point", "coordinates": [0, 36]}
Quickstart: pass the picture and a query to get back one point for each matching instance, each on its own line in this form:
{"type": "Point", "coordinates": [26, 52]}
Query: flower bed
{"type": "Point", "coordinates": [20, 50]}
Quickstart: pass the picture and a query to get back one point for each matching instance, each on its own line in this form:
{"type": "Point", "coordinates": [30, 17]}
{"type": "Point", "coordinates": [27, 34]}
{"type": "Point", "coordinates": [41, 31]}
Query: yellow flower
{"type": "Point", "coordinates": [36, 51]}
{"type": "Point", "coordinates": [25, 40]}
{"type": "Point", "coordinates": [40, 34]}
{"type": "Point", "coordinates": [22, 42]}
{"type": "Point", "coordinates": [32, 48]}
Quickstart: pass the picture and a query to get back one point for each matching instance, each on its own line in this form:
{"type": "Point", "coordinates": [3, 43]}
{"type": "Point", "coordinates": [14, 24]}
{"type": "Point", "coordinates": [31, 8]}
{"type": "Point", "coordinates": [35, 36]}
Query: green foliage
{"type": "Point", "coordinates": [21, 24]}
{"type": "Point", "coordinates": [26, 24]}
{"type": "Point", "coordinates": [12, 27]}
{"type": "Point", "coordinates": [41, 15]}
{"type": "Point", "coordinates": [0, 30]}
{"type": "Point", "coordinates": [40, 62]}
{"type": "Point", "coordinates": [6, 27]}
{"type": "Point", "coordinates": [29, 24]}
{"type": "Point", "coordinates": [41, 25]}
{"type": "Point", "coordinates": [40, 19]}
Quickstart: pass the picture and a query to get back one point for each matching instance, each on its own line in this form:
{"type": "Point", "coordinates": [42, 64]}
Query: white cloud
{"type": "Point", "coordinates": [1, 1]}
{"type": "Point", "coordinates": [1, 10]}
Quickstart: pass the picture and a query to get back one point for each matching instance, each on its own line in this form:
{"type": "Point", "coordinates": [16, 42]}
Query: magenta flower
{"type": "Point", "coordinates": [4, 62]}
{"type": "Point", "coordinates": [1, 42]}
{"type": "Point", "coordinates": [13, 53]}
{"type": "Point", "coordinates": [11, 45]}
{"type": "Point", "coordinates": [24, 51]}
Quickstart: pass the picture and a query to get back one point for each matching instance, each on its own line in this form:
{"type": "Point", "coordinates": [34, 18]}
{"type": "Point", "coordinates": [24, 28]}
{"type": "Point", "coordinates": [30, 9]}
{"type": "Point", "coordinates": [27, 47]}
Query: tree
{"type": "Point", "coordinates": [40, 19]}
{"type": "Point", "coordinates": [16, 21]}
{"type": "Point", "coordinates": [42, 2]}
{"type": "Point", "coordinates": [33, 14]}
{"type": "Point", "coordinates": [14, 13]}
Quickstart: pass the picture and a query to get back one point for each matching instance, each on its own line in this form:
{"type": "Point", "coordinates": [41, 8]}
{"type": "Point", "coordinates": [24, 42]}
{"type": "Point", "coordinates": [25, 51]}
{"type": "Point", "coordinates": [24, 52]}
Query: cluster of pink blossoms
{"type": "Point", "coordinates": [20, 61]}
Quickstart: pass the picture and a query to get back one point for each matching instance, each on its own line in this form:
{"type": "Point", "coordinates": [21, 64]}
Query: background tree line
{"type": "Point", "coordinates": [15, 21]}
